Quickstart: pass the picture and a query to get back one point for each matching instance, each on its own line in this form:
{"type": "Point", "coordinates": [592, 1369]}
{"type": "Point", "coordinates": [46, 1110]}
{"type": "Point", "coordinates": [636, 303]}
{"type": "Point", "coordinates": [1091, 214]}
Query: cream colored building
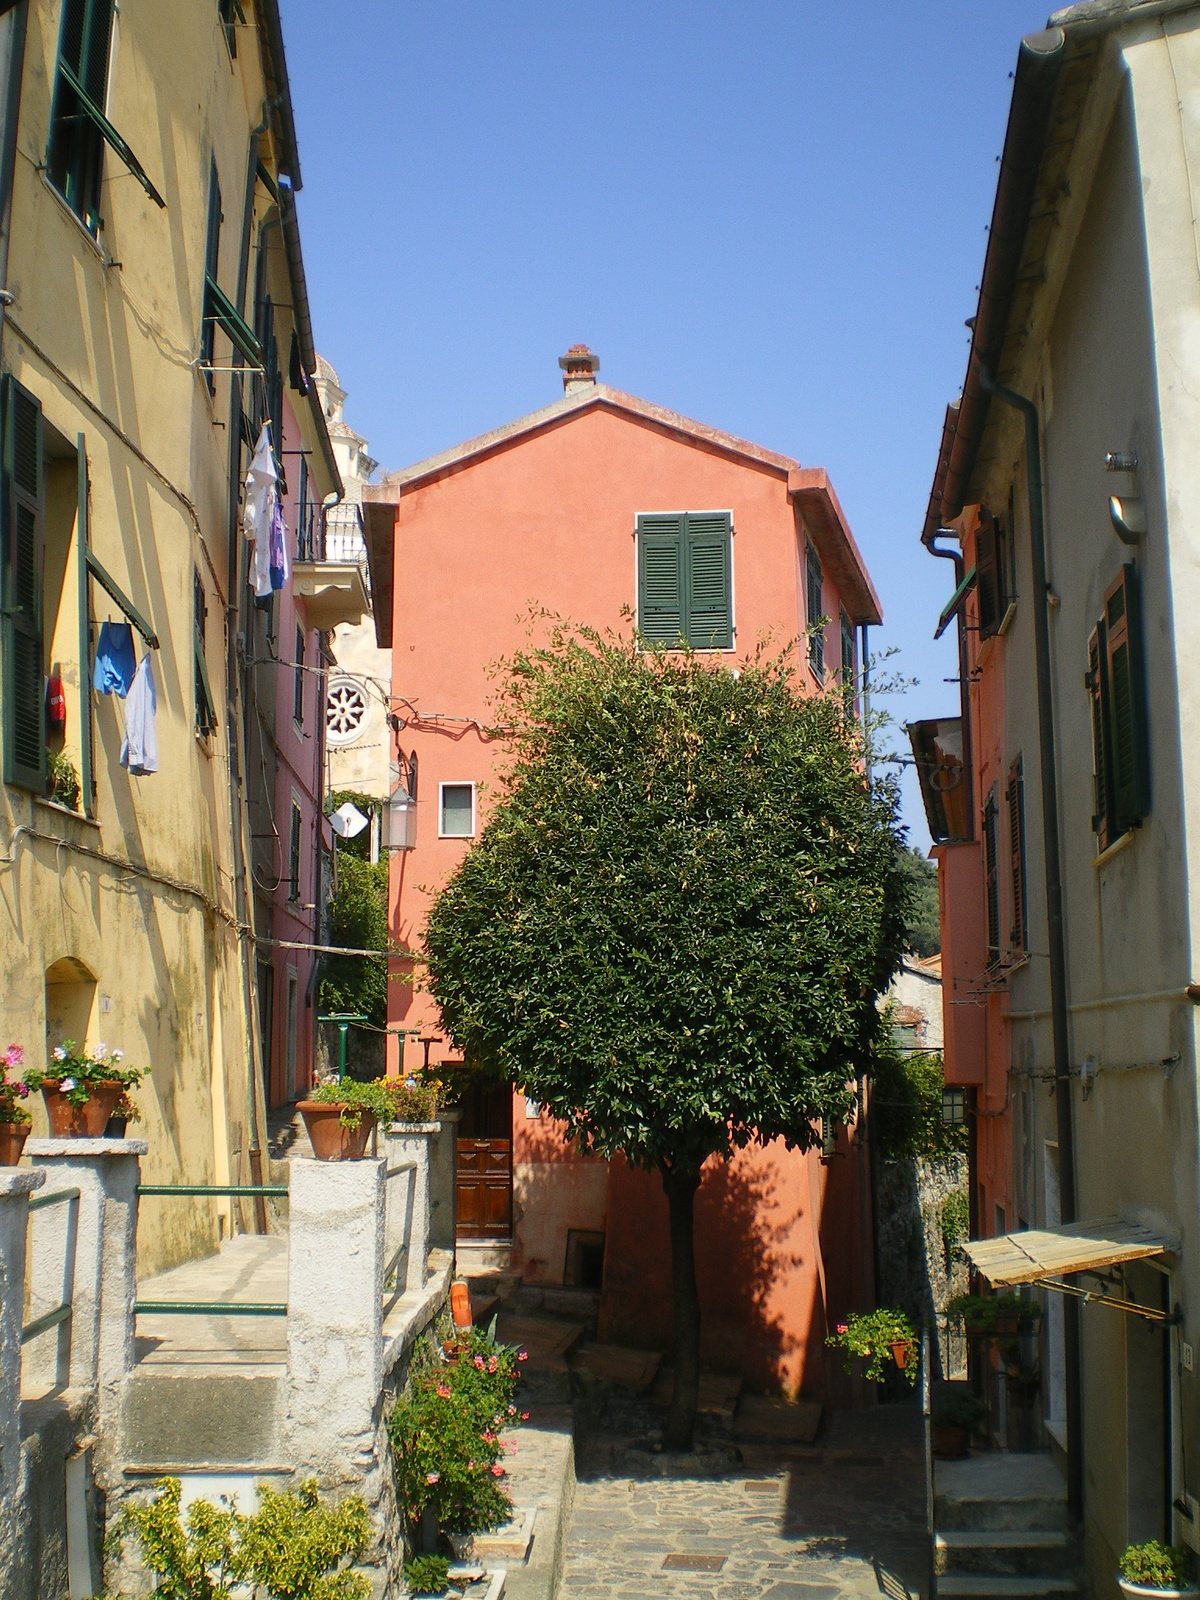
{"type": "Point", "coordinates": [151, 262]}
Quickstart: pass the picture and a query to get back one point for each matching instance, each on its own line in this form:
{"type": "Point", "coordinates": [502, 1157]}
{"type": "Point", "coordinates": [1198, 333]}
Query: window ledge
{"type": "Point", "coordinates": [80, 226]}
{"type": "Point", "coordinates": [1115, 848]}
{"type": "Point", "coordinates": [58, 819]}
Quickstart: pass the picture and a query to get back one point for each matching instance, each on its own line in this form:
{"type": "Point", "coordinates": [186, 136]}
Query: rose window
{"type": "Point", "coordinates": [345, 708]}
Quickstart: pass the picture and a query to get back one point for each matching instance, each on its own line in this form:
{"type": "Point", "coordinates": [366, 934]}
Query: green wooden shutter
{"type": "Point", "coordinates": [1019, 937]}
{"type": "Point", "coordinates": [1095, 681]}
{"type": "Point", "coordinates": [991, 865]}
{"type": "Point", "coordinates": [988, 582]}
{"type": "Point", "coordinates": [21, 498]}
{"type": "Point", "coordinates": [661, 561]}
{"type": "Point", "coordinates": [709, 620]}
{"type": "Point", "coordinates": [1127, 700]}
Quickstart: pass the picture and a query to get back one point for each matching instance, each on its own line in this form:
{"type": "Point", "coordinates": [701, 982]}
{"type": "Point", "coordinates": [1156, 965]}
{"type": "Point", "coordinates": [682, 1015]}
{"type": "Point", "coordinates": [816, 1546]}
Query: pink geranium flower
{"type": "Point", "coordinates": [479, 1362]}
{"type": "Point", "coordinates": [444, 1391]}
{"type": "Point", "coordinates": [14, 1056]}
{"type": "Point", "coordinates": [497, 1471]}
{"type": "Point", "coordinates": [522, 1355]}
{"type": "Point", "coordinates": [432, 1477]}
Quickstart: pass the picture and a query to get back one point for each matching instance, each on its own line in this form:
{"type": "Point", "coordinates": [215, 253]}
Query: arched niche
{"type": "Point", "coordinates": [70, 1002]}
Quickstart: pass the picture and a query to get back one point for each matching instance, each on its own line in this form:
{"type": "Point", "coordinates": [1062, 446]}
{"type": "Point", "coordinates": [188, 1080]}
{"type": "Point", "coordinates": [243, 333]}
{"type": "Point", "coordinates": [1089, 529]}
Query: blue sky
{"type": "Point", "coordinates": [770, 217]}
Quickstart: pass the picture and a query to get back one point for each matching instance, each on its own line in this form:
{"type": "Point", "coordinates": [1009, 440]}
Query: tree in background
{"type": "Point", "coordinates": [358, 920]}
{"type": "Point", "coordinates": [924, 931]}
{"type": "Point", "coordinates": [672, 931]}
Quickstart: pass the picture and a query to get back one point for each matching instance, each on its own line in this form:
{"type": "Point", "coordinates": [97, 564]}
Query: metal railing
{"type": "Point", "coordinates": [61, 1313]}
{"type": "Point", "coordinates": [212, 1308]}
{"type": "Point", "coordinates": [389, 1272]}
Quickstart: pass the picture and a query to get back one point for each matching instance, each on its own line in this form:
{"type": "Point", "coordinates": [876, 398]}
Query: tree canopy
{"type": "Point", "coordinates": [673, 928]}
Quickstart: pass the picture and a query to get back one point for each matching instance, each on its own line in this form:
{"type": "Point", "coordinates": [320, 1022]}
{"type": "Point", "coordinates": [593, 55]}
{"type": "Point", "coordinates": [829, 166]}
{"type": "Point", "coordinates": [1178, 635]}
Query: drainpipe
{"type": "Point", "coordinates": [1054, 912]}
{"type": "Point", "coordinates": [10, 100]}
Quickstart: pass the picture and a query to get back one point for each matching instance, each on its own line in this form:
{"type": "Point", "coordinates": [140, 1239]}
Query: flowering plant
{"type": "Point", "coordinates": [354, 1098]}
{"type": "Point", "coordinates": [872, 1335]}
{"type": "Point", "coordinates": [411, 1101]}
{"type": "Point", "coordinates": [12, 1093]}
{"type": "Point", "coordinates": [76, 1071]}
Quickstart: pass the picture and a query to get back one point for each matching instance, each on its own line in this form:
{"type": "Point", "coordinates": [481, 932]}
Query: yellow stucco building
{"type": "Point", "coordinates": [154, 315]}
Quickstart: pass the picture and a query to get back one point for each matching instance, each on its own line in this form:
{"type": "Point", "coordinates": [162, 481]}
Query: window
{"type": "Point", "coordinates": [993, 567]}
{"type": "Point", "coordinates": [212, 253]}
{"type": "Point", "coordinates": [457, 811]}
{"type": "Point", "coordinates": [206, 711]}
{"type": "Point", "coordinates": [814, 610]}
{"type": "Point", "coordinates": [1116, 686]}
{"type": "Point", "coordinates": [685, 589]}
{"type": "Point", "coordinates": [294, 854]}
{"type": "Point", "coordinates": [22, 500]}
{"type": "Point", "coordinates": [849, 672]}
{"type": "Point", "coordinates": [345, 708]}
{"type": "Point", "coordinates": [991, 879]}
{"type": "Point", "coordinates": [1019, 937]}
{"type": "Point", "coordinates": [231, 13]}
{"type": "Point", "coordinates": [1096, 682]}
{"type": "Point", "coordinates": [79, 128]}
{"type": "Point", "coordinates": [298, 680]}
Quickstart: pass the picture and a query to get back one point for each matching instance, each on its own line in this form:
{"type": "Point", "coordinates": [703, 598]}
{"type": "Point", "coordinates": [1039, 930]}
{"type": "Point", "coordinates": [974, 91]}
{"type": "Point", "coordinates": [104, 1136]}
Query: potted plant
{"type": "Point", "coordinates": [14, 1119]}
{"type": "Point", "coordinates": [124, 1112]}
{"type": "Point", "coordinates": [878, 1337]}
{"type": "Point", "coordinates": [81, 1088]}
{"type": "Point", "coordinates": [1157, 1569]}
{"type": "Point", "coordinates": [339, 1115]}
{"type": "Point", "coordinates": [994, 1316]}
{"type": "Point", "coordinates": [411, 1101]}
{"type": "Point", "coordinates": [956, 1414]}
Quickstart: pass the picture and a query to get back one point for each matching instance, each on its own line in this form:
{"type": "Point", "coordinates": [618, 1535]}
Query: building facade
{"type": "Point", "coordinates": [1065, 794]}
{"type": "Point", "coordinates": [154, 317]}
{"type": "Point", "coordinates": [581, 509]}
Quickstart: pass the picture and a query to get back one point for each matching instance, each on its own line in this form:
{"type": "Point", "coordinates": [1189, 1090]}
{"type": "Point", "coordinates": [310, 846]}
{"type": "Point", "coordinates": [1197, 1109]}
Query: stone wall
{"type": "Point", "coordinates": [916, 1273]}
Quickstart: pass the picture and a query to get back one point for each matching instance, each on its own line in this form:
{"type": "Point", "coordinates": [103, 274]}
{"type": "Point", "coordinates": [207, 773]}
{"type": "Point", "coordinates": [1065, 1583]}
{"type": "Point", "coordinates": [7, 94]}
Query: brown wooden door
{"type": "Point", "coordinates": [484, 1188]}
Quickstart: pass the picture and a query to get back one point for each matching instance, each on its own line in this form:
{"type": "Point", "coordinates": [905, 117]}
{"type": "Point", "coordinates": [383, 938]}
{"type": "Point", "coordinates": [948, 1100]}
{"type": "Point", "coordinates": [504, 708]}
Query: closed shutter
{"type": "Point", "coordinates": [814, 606]}
{"type": "Point", "coordinates": [661, 563]}
{"type": "Point", "coordinates": [1127, 701]}
{"type": "Point", "coordinates": [709, 623]}
{"type": "Point", "coordinates": [21, 494]}
{"type": "Point", "coordinates": [1019, 937]}
{"type": "Point", "coordinates": [991, 879]}
{"type": "Point", "coordinates": [1096, 682]}
{"type": "Point", "coordinates": [989, 586]}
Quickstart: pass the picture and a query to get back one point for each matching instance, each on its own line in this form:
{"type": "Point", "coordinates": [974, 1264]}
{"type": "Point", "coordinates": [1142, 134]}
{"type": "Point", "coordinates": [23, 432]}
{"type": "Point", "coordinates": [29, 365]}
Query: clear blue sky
{"type": "Point", "coordinates": [770, 217]}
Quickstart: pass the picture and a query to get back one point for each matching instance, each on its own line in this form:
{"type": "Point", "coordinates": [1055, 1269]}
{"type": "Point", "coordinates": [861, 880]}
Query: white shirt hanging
{"type": "Point", "coordinates": [258, 509]}
{"type": "Point", "coordinates": [139, 747]}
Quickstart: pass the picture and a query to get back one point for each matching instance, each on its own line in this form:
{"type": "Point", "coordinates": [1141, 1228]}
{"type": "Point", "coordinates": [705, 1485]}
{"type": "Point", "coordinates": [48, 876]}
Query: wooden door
{"type": "Point", "coordinates": [485, 1165]}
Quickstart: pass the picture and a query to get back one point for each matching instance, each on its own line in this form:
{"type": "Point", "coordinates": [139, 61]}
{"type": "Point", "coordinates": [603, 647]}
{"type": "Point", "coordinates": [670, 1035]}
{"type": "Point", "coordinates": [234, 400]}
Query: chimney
{"type": "Point", "coordinates": [579, 368]}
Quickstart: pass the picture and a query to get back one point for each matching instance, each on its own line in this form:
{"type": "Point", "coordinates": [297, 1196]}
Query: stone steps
{"type": "Point", "coordinates": [1012, 1552]}
{"type": "Point", "coordinates": [998, 1586]}
{"type": "Point", "coordinates": [1002, 1530]}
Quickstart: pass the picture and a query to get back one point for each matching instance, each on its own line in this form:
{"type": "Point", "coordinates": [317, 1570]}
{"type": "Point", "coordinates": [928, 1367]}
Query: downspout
{"type": "Point", "coordinates": [868, 1235]}
{"type": "Point", "coordinates": [1054, 912]}
{"type": "Point", "coordinates": [14, 26]}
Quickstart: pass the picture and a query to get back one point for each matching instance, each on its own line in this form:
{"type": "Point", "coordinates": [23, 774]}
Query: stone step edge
{"type": "Point", "coordinates": [181, 1469]}
{"type": "Point", "coordinates": [1001, 1538]}
{"type": "Point", "coordinates": [1003, 1586]}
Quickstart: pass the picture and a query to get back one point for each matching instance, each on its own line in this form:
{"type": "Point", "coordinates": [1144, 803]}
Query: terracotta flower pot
{"type": "Point", "coordinates": [330, 1141]}
{"type": "Point", "coordinates": [460, 1303]}
{"type": "Point", "coordinates": [902, 1352]}
{"type": "Point", "coordinates": [12, 1141]}
{"type": "Point", "coordinates": [87, 1121]}
{"type": "Point", "coordinates": [949, 1443]}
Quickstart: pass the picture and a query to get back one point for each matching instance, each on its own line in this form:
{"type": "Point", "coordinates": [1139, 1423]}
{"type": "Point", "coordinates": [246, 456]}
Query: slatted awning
{"type": "Point", "coordinates": [1038, 1254]}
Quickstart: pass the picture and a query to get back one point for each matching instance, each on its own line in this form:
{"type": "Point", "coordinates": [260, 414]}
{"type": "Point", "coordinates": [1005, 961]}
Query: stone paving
{"type": "Point", "coordinates": [842, 1518]}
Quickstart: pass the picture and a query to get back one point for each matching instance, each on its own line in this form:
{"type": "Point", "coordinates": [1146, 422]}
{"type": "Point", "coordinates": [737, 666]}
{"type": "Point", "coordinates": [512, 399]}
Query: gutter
{"type": "Point", "coordinates": [289, 152]}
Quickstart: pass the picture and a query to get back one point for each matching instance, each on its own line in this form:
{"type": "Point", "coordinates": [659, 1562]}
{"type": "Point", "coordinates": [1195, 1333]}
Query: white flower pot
{"type": "Point", "coordinates": [1144, 1591]}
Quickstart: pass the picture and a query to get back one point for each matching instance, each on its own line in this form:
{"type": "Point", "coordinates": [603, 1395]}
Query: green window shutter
{"type": "Point", "coordinates": [21, 510]}
{"type": "Point", "coordinates": [212, 256]}
{"type": "Point", "coordinates": [1095, 681]}
{"type": "Point", "coordinates": [709, 623]}
{"type": "Point", "coordinates": [661, 562]}
{"type": "Point", "coordinates": [991, 865]}
{"type": "Point", "coordinates": [1019, 937]}
{"type": "Point", "coordinates": [814, 606]}
{"type": "Point", "coordinates": [1127, 700]}
{"type": "Point", "coordinates": [989, 586]}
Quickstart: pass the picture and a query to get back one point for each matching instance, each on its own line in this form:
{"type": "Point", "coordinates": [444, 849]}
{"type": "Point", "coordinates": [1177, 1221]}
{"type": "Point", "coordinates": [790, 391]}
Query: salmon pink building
{"type": "Point", "coordinates": [606, 509]}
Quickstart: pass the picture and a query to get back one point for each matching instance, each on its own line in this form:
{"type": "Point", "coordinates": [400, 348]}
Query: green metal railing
{"type": "Point", "coordinates": [212, 1308]}
{"type": "Point", "coordinates": [61, 1313]}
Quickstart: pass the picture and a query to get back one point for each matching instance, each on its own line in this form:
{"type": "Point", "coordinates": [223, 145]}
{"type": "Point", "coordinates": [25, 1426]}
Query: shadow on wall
{"type": "Point", "coordinates": [756, 1269]}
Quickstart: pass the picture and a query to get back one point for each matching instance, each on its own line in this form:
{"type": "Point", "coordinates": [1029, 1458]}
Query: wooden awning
{"type": "Point", "coordinates": [1038, 1254]}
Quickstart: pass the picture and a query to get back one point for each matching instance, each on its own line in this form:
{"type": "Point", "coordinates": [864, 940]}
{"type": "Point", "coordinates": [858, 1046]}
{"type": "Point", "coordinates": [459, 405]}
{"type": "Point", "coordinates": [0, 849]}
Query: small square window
{"type": "Point", "coordinates": [954, 1107]}
{"type": "Point", "coordinates": [456, 812]}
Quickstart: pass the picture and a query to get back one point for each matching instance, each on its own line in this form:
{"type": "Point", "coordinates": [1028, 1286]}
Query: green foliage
{"type": "Point", "coordinates": [360, 845]}
{"type": "Point", "coordinates": [413, 1101]}
{"type": "Point", "coordinates": [62, 779]}
{"type": "Point", "coordinates": [1157, 1566]}
{"type": "Point", "coordinates": [673, 928]}
{"type": "Point", "coordinates": [871, 1335]}
{"type": "Point", "coordinates": [955, 1407]}
{"type": "Point", "coordinates": [906, 1102]}
{"type": "Point", "coordinates": [355, 1098]}
{"type": "Point", "coordinates": [427, 1574]}
{"type": "Point", "coordinates": [923, 929]}
{"type": "Point", "coordinates": [955, 1219]}
{"type": "Point", "coordinates": [77, 1071]}
{"type": "Point", "coordinates": [292, 1545]}
{"type": "Point", "coordinates": [14, 1091]}
{"type": "Point", "coordinates": [982, 1312]}
{"type": "Point", "coordinates": [445, 1435]}
{"type": "Point", "coordinates": [357, 919]}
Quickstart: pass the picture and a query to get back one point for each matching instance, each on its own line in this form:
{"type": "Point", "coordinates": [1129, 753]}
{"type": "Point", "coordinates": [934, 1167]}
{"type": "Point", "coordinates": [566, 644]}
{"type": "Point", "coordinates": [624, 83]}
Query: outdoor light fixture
{"type": "Point", "coordinates": [1128, 518]}
{"type": "Point", "coordinates": [954, 1107]}
{"type": "Point", "coordinates": [402, 807]}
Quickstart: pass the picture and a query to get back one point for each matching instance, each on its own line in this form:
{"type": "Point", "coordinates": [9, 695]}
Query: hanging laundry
{"type": "Point", "coordinates": [258, 510]}
{"type": "Point", "coordinates": [139, 747]}
{"type": "Point", "coordinates": [116, 662]}
{"type": "Point", "coordinates": [280, 570]}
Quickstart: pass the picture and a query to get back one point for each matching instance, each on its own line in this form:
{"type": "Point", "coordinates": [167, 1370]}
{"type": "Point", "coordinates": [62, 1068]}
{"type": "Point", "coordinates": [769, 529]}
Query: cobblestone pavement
{"type": "Point", "coordinates": [842, 1518]}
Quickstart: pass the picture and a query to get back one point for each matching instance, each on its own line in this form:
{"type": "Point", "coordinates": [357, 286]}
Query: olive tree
{"type": "Point", "coordinates": [672, 931]}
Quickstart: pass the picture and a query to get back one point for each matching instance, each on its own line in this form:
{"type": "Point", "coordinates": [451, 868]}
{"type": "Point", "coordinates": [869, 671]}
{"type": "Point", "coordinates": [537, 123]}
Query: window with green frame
{"type": "Point", "coordinates": [22, 512]}
{"type": "Point", "coordinates": [814, 587]}
{"type": "Point", "coordinates": [79, 127]}
{"type": "Point", "coordinates": [685, 579]}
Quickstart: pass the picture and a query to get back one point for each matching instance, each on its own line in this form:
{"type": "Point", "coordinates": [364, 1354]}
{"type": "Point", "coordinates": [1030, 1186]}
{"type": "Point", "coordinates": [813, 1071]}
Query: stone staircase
{"type": "Point", "coordinates": [1002, 1530]}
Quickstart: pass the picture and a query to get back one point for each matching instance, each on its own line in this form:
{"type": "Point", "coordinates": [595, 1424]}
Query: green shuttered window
{"type": "Point", "coordinates": [1116, 684]}
{"type": "Point", "coordinates": [22, 500]}
{"type": "Point", "coordinates": [685, 579]}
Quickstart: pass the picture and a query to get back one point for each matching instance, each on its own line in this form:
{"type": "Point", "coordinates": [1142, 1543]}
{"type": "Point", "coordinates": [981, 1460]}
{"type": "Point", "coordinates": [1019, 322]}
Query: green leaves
{"type": "Point", "coordinates": [672, 930]}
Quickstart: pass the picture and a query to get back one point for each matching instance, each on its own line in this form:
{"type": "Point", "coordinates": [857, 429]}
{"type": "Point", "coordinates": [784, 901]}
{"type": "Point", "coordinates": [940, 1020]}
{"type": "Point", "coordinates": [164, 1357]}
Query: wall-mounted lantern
{"type": "Point", "coordinates": [402, 807]}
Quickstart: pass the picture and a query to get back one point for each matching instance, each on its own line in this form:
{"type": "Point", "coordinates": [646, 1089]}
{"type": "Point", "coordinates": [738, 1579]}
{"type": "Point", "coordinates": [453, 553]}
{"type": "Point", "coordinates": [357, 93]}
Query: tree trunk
{"type": "Point", "coordinates": [681, 1419]}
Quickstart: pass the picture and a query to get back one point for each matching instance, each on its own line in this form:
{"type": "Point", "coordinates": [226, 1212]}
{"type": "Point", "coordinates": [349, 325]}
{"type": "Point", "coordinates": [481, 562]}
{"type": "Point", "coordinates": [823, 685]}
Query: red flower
{"type": "Point", "coordinates": [522, 1355]}
{"type": "Point", "coordinates": [479, 1362]}
{"type": "Point", "coordinates": [497, 1471]}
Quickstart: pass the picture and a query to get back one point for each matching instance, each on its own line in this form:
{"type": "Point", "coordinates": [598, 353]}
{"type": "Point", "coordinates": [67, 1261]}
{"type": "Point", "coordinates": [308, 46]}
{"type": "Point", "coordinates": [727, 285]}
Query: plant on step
{"type": "Point", "coordinates": [958, 1408]}
{"type": "Point", "coordinates": [427, 1574]}
{"type": "Point", "coordinates": [194, 1559]}
{"type": "Point", "coordinates": [1158, 1566]}
{"type": "Point", "coordinates": [12, 1094]}
{"type": "Point", "coordinates": [674, 927]}
{"type": "Point", "coordinates": [871, 1335]}
{"type": "Point", "coordinates": [411, 1101]}
{"type": "Point", "coordinates": [354, 1098]}
{"type": "Point", "coordinates": [62, 780]}
{"type": "Point", "coordinates": [77, 1071]}
{"type": "Point", "coordinates": [987, 1312]}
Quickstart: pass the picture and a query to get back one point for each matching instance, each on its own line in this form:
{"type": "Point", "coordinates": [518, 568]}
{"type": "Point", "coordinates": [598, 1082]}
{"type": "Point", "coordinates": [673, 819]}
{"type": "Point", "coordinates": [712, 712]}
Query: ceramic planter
{"type": "Point", "coordinates": [1144, 1591]}
{"type": "Point", "coordinates": [902, 1350]}
{"type": "Point", "coordinates": [12, 1141]}
{"type": "Point", "coordinates": [115, 1127]}
{"type": "Point", "coordinates": [87, 1121]}
{"type": "Point", "coordinates": [330, 1141]}
{"type": "Point", "coordinates": [950, 1443]}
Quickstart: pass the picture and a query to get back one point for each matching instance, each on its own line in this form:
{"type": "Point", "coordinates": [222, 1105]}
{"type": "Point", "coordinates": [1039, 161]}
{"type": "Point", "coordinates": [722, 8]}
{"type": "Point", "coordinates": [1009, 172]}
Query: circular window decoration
{"type": "Point", "coordinates": [345, 710]}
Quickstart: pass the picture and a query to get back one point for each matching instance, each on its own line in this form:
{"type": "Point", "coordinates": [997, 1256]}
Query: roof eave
{"type": "Point", "coordinates": [811, 492]}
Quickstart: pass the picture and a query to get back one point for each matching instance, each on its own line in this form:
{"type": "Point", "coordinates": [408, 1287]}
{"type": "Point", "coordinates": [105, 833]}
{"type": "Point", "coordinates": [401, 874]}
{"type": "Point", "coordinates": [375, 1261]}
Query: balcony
{"type": "Point", "coordinates": [328, 593]}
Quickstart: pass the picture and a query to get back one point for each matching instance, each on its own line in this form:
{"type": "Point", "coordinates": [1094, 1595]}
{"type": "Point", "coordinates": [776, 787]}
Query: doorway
{"type": "Point", "coordinates": [1148, 1407]}
{"type": "Point", "coordinates": [484, 1166]}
